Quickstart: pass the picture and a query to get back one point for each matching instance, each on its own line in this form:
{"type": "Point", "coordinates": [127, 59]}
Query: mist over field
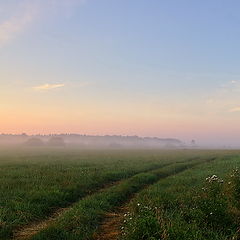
{"type": "Point", "coordinates": [119, 120]}
{"type": "Point", "coordinates": [106, 142]}
{"type": "Point", "coordinates": [87, 141]}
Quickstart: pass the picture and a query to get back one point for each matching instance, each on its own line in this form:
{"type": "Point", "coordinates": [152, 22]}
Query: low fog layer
{"type": "Point", "coordinates": [87, 141]}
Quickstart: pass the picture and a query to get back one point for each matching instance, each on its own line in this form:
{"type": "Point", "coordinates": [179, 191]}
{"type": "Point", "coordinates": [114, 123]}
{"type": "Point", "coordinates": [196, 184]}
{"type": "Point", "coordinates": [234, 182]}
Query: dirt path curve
{"type": "Point", "coordinates": [30, 230]}
{"type": "Point", "coordinates": [27, 232]}
{"type": "Point", "coordinates": [110, 228]}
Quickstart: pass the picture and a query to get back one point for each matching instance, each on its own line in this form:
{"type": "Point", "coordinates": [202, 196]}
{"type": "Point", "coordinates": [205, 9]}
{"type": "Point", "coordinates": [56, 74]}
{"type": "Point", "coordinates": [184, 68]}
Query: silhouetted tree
{"type": "Point", "coordinates": [34, 142]}
{"type": "Point", "coordinates": [56, 142]}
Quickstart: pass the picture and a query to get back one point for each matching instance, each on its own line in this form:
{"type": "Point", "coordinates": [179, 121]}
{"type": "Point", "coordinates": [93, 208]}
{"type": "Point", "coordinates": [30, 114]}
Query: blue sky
{"type": "Point", "coordinates": [118, 62]}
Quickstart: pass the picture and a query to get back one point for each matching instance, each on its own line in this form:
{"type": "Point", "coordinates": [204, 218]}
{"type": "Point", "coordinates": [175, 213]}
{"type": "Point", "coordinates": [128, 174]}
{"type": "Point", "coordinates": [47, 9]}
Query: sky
{"type": "Point", "coordinates": [164, 68]}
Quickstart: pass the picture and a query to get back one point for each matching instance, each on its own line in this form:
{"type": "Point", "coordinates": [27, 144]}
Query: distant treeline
{"type": "Point", "coordinates": [109, 141]}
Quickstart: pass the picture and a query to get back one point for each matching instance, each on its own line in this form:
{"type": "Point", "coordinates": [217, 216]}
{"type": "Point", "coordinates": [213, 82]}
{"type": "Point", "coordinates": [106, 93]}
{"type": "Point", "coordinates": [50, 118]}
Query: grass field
{"type": "Point", "coordinates": [201, 203]}
{"type": "Point", "coordinates": [89, 184]}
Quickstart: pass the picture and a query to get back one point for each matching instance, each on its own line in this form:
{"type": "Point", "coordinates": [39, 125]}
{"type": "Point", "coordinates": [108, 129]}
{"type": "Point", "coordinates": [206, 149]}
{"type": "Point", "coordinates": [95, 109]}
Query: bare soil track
{"type": "Point", "coordinates": [30, 230]}
{"type": "Point", "coordinates": [110, 228]}
{"type": "Point", "coordinates": [27, 232]}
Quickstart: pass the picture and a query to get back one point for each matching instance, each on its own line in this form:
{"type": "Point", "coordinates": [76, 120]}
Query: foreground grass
{"type": "Point", "coordinates": [33, 183]}
{"type": "Point", "coordinates": [82, 221]}
{"type": "Point", "coordinates": [187, 206]}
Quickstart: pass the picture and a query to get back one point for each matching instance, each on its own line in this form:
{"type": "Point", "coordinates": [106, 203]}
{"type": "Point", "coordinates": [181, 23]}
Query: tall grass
{"type": "Point", "coordinates": [35, 182]}
{"type": "Point", "coordinates": [194, 204]}
{"type": "Point", "coordinates": [82, 221]}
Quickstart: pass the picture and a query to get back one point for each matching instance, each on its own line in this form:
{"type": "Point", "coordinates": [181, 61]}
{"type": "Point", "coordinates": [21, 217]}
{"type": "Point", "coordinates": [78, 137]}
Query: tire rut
{"type": "Point", "coordinates": [110, 228]}
{"type": "Point", "coordinates": [32, 229]}
{"type": "Point", "coordinates": [111, 220]}
{"type": "Point", "coordinates": [27, 232]}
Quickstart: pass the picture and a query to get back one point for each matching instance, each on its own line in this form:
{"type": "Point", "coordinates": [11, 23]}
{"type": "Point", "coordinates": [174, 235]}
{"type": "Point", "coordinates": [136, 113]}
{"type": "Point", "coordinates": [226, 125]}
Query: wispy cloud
{"type": "Point", "coordinates": [236, 109]}
{"type": "Point", "coordinates": [224, 99]}
{"type": "Point", "coordinates": [47, 86]}
{"type": "Point", "coordinates": [16, 24]}
{"type": "Point", "coordinates": [28, 11]}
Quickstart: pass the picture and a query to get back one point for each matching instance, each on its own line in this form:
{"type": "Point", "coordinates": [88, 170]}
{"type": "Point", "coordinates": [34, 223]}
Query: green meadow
{"type": "Point", "coordinates": [165, 191]}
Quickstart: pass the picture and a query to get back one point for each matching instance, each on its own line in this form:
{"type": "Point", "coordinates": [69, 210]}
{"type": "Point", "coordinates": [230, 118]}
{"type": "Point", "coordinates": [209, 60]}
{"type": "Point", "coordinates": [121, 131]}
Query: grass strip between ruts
{"type": "Point", "coordinates": [81, 221]}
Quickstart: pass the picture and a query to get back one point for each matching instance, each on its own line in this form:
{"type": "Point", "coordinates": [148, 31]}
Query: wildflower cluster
{"type": "Point", "coordinates": [214, 178]}
{"type": "Point", "coordinates": [234, 177]}
{"type": "Point", "coordinates": [127, 218]}
{"type": "Point", "coordinates": [141, 222]}
{"type": "Point", "coordinates": [233, 189]}
{"type": "Point", "coordinates": [215, 208]}
{"type": "Point", "coordinates": [235, 172]}
{"type": "Point", "coordinates": [212, 205]}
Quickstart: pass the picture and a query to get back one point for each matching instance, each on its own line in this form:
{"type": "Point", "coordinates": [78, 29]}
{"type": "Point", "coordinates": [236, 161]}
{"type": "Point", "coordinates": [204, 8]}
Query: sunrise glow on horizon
{"type": "Point", "coordinates": [146, 68]}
